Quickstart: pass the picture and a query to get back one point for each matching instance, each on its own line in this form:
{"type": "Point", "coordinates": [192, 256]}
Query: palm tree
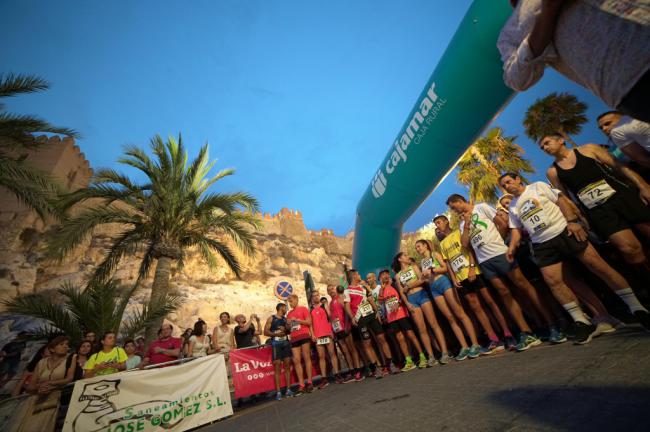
{"type": "Point", "coordinates": [98, 308]}
{"type": "Point", "coordinates": [162, 217]}
{"type": "Point", "coordinates": [485, 160]}
{"type": "Point", "coordinates": [556, 113]}
{"type": "Point", "coordinates": [32, 187]}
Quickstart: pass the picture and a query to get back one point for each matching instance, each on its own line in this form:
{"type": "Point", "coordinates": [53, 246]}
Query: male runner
{"type": "Point", "coordinates": [276, 329]}
{"type": "Point", "coordinates": [479, 231]}
{"type": "Point", "coordinates": [341, 326]}
{"type": "Point", "coordinates": [556, 236]}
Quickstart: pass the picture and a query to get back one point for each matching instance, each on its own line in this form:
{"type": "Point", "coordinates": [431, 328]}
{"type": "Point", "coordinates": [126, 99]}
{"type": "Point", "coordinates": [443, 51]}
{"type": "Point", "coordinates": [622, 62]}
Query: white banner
{"type": "Point", "coordinates": [174, 398]}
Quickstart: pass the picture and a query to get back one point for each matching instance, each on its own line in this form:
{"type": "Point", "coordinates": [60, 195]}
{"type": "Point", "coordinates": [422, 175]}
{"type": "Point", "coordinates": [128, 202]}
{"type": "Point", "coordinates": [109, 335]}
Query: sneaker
{"type": "Point", "coordinates": [475, 351]}
{"type": "Point", "coordinates": [603, 328]}
{"type": "Point", "coordinates": [323, 383]}
{"type": "Point", "coordinates": [644, 319]}
{"type": "Point", "coordinates": [348, 379]}
{"type": "Point", "coordinates": [462, 354]}
{"type": "Point", "coordinates": [492, 347]}
{"type": "Point", "coordinates": [300, 391]}
{"type": "Point", "coordinates": [584, 333]}
{"type": "Point", "coordinates": [444, 359]}
{"type": "Point", "coordinates": [555, 336]}
{"type": "Point", "coordinates": [309, 388]}
{"type": "Point", "coordinates": [394, 370]}
{"type": "Point", "coordinates": [278, 396]}
{"type": "Point", "coordinates": [338, 379]}
{"type": "Point", "coordinates": [385, 371]}
{"type": "Point", "coordinates": [289, 393]}
{"type": "Point", "coordinates": [408, 366]}
{"type": "Point", "coordinates": [423, 362]}
{"type": "Point", "coordinates": [526, 341]}
{"type": "Point", "coordinates": [510, 343]}
{"type": "Point", "coordinates": [359, 377]}
{"type": "Point", "coordinates": [432, 361]}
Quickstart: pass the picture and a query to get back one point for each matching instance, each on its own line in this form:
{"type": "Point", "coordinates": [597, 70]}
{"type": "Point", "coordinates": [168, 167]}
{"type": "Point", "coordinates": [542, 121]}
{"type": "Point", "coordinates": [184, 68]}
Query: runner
{"type": "Point", "coordinates": [556, 237]}
{"type": "Point", "coordinates": [299, 320]}
{"type": "Point", "coordinates": [469, 281]}
{"type": "Point", "coordinates": [614, 203]}
{"type": "Point", "coordinates": [362, 311]}
{"type": "Point", "coordinates": [397, 318]}
{"type": "Point", "coordinates": [277, 329]}
{"type": "Point", "coordinates": [341, 327]}
{"type": "Point", "coordinates": [434, 272]}
{"type": "Point", "coordinates": [323, 337]}
{"type": "Point", "coordinates": [415, 298]}
{"type": "Point", "coordinates": [479, 231]}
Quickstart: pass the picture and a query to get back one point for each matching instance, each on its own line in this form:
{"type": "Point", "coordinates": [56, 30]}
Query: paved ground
{"type": "Point", "coordinates": [602, 386]}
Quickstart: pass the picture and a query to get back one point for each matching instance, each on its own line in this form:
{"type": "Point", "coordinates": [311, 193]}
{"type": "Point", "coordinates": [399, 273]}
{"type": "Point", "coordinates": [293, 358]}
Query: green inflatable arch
{"type": "Point", "coordinates": [463, 95]}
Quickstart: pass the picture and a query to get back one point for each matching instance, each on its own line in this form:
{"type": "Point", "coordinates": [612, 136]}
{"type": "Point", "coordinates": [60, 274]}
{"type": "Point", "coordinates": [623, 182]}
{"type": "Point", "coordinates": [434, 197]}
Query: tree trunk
{"type": "Point", "coordinates": [159, 289]}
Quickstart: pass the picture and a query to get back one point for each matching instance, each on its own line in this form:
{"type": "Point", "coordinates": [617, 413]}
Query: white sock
{"type": "Point", "coordinates": [628, 296]}
{"type": "Point", "coordinates": [576, 313]}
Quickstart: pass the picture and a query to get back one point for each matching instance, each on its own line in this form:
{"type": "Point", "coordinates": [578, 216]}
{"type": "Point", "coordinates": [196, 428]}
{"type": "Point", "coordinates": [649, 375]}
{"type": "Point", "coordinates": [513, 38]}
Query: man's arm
{"type": "Point", "coordinates": [544, 29]}
{"type": "Point", "coordinates": [267, 327]}
{"type": "Point", "coordinates": [467, 229]}
{"type": "Point", "coordinates": [604, 157]}
{"type": "Point", "coordinates": [515, 239]}
{"type": "Point", "coordinates": [637, 153]}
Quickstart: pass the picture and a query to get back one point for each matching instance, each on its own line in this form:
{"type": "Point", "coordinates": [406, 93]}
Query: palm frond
{"type": "Point", "coordinates": [14, 84]}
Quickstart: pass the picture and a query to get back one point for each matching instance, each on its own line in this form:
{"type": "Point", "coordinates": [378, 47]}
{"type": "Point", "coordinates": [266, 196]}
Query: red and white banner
{"type": "Point", "coordinates": [253, 373]}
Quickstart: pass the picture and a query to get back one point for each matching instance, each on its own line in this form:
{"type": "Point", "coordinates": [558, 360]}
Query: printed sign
{"type": "Point", "coordinates": [283, 290]}
{"type": "Point", "coordinates": [175, 398]}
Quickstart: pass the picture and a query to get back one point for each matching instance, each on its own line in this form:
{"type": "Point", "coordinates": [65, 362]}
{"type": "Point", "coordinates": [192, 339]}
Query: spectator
{"type": "Point", "coordinates": [42, 353]}
{"type": "Point", "coordinates": [185, 342]}
{"type": "Point", "coordinates": [630, 136]}
{"type": "Point", "coordinates": [199, 342]}
{"type": "Point", "coordinates": [223, 336]}
{"type": "Point", "coordinates": [92, 337]}
{"type": "Point", "coordinates": [10, 358]}
{"type": "Point", "coordinates": [140, 346]}
{"type": "Point", "coordinates": [165, 349]}
{"type": "Point", "coordinates": [109, 360]}
{"type": "Point", "coordinates": [133, 359]}
{"type": "Point", "coordinates": [50, 375]}
{"type": "Point", "coordinates": [83, 354]}
{"type": "Point", "coordinates": [245, 332]}
{"type": "Point", "coordinates": [597, 44]}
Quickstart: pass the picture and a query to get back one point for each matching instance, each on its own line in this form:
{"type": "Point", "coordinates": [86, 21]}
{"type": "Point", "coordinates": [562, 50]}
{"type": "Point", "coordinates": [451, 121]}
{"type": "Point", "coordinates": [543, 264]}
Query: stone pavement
{"type": "Point", "coordinates": [601, 386]}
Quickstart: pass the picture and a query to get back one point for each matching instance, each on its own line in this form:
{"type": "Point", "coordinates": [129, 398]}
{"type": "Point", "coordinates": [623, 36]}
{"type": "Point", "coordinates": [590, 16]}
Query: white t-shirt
{"type": "Point", "coordinates": [485, 237]}
{"type": "Point", "coordinates": [629, 130]}
{"type": "Point", "coordinates": [535, 211]}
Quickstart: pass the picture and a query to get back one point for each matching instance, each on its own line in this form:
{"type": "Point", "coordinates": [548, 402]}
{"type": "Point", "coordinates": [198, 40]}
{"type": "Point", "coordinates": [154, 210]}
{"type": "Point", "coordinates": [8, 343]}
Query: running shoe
{"type": "Point", "coordinates": [555, 336]}
{"type": "Point", "coordinates": [511, 343]}
{"type": "Point", "coordinates": [338, 379]}
{"type": "Point", "coordinates": [348, 379]}
{"type": "Point", "coordinates": [491, 348]}
{"type": "Point", "coordinates": [289, 393]}
{"type": "Point", "coordinates": [583, 333]}
{"type": "Point", "coordinates": [309, 388]}
{"type": "Point", "coordinates": [644, 319]}
{"type": "Point", "coordinates": [409, 366]}
{"type": "Point", "coordinates": [475, 351]}
{"type": "Point", "coordinates": [462, 354]}
{"type": "Point", "coordinates": [527, 340]}
{"type": "Point", "coordinates": [385, 370]}
{"type": "Point", "coordinates": [432, 361]}
{"type": "Point", "coordinates": [359, 376]}
{"type": "Point", "coordinates": [423, 362]}
{"type": "Point", "coordinates": [323, 383]}
{"type": "Point", "coordinates": [278, 396]}
{"type": "Point", "coordinates": [300, 391]}
{"type": "Point", "coordinates": [394, 370]}
{"type": "Point", "coordinates": [603, 328]}
{"type": "Point", "coordinates": [444, 359]}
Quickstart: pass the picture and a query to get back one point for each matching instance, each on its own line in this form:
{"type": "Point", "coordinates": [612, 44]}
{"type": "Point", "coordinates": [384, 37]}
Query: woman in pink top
{"type": "Point", "coordinates": [341, 327]}
{"type": "Point", "coordinates": [299, 320]}
{"type": "Point", "coordinates": [324, 338]}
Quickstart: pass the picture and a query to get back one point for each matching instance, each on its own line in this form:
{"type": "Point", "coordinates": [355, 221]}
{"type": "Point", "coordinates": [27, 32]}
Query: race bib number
{"type": "Point", "coordinates": [392, 304]}
{"type": "Point", "coordinates": [533, 217]}
{"type": "Point", "coordinates": [336, 325]}
{"type": "Point", "coordinates": [295, 326]}
{"type": "Point", "coordinates": [459, 263]}
{"type": "Point", "coordinates": [405, 277]}
{"type": "Point", "coordinates": [477, 239]}
{"type": "Point", "coordinates": [323, 340]}
{"type": "Point", "coordinates": [279, 338]}
{"type": "Point", "coordinates": [595, 194]}
{"type": "Point", "coordinates": [427, 263]}
{"type": "Point", "coordinates": [365, 309]}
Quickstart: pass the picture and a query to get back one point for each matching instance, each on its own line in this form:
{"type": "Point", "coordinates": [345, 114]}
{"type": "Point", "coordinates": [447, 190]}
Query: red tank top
{"type": "Point", "coordinates": [320, 323]}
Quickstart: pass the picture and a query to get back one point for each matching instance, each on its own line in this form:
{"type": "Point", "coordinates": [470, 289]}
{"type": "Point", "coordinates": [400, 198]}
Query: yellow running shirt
{"type": "Point", "coordinates": [116, 355]}
{"type": "Point", "coordinates": [456, 255]}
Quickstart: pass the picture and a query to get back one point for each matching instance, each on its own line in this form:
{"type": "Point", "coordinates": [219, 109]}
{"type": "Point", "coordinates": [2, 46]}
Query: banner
{"type": "Point", "coordinates": [174, 398]}
{"type": "Point", "coordinates": [253, 373]}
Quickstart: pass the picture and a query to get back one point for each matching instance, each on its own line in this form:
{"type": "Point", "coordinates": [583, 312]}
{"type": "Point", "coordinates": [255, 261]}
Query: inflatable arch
{"type": "Point", "coordinates": [462, 97]}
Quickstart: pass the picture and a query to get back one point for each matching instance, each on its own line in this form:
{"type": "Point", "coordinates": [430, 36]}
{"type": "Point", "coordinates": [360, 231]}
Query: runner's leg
{"type": "Point", "coordinates": [418, 319]}
{"type": "Point", "coordinates": [427, 311]}
{"type": "Point", "coordinates": [297, 365]}
{"type": "Point", "coordinates": [306, 356]}
{"type": "Point", "coordinates": [459, 312]}
{"type": "Point", "coordinates": [322, 362]}
{"type": "Point", "coordinates": [477, 308]}
{"type": "Point", "coordinates": [521, 282]}
{"type": "Point", "coordinates": [511, 304]}
{"type": "Point", "coordinates": [333, 358]}
{"type": "Point", "coordinates": [487, 297]}
{"type": "Point", "coordinates": [444, 308]}
{"type": "Point", "coordinates": [277, 373]}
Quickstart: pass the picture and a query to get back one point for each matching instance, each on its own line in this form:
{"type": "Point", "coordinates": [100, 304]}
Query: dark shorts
{"type": "Point", "coordinates": [341, 335]}
{"type": "Point", "coordinates": [497, 266]}
{"type": "Point", "coordinates": [622, 211]}
{"type": "Point", "coordinates": [468, 287]}
{"type": "Point", "coordinates": [366, 325]}
{"type": "Point", "coordinates": [281, 350]}
{"type": "Point", "coordinates": [557, 249]}
{"type": "Point", "coordinates": [300, 342]}
{"type": "Point", "coordinates": [400, 325]}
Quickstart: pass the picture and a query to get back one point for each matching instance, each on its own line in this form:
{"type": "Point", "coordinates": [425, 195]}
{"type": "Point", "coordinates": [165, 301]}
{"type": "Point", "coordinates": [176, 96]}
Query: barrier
{"type": "Point", "coordinates": [463, 95]}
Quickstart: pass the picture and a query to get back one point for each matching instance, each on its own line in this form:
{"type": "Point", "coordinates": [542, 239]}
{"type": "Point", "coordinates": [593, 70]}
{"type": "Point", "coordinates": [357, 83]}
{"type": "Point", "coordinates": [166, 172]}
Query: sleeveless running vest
{"type": "Point", "coordinates": [276, 323]}
{"type": "Point", "coordinates": [405, 276]}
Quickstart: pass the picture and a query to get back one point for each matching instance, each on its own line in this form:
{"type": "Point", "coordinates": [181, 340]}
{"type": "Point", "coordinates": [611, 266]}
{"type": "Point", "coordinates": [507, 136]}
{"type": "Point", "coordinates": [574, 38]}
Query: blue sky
{"type": "Point", "coordinates": [303, 98]}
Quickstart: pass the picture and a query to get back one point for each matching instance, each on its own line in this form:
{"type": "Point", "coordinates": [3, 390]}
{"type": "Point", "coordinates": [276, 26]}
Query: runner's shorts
{"type": "Point", "coordinates": [622, 211]}
{"type": "Point", "coordinates": [281, 349]}
{"type": "Point", "coordinates": [341, 335]}
{"type": "Point", "coordinates": [400, 325]}
{"type": "Point", "coordinates": [300, 342]}
{"type": "Point", "coordinates": [366, 325]}
{"type": "Point", "coordinates": [497, 266]}
{"type": "Point", "coordinates": [419, 298]}
{"type": "Point", "coordinates": [439, 286]}
{"type": "Point", "coordinates": [468, 287]}
{"type": "Point", "coordinates": [557, 249]}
